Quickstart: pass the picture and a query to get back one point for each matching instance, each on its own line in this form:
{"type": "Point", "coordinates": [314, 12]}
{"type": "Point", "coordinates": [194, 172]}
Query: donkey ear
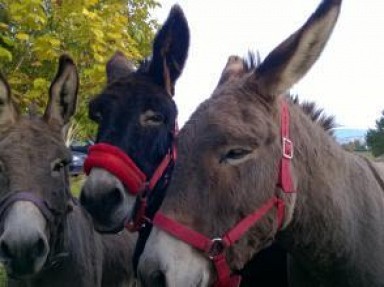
{"type": "Point", "coordinates": [118, 66]}
{"type": "Point", "coordinates": [63, 93]}
{"type": "Point", "coordinates": [170, 50]}
{"type": "Point", "coordinates": [8, 112]}
{"type": "Point", "coordinates": [235, 68]}
{"type": "Point", "coordinates": [292, 59]}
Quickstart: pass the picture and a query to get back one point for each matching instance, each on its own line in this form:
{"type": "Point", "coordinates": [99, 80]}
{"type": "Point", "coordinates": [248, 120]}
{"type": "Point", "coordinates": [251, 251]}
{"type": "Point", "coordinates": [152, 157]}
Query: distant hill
{"type": "Point", "coordinates": [346, 135]}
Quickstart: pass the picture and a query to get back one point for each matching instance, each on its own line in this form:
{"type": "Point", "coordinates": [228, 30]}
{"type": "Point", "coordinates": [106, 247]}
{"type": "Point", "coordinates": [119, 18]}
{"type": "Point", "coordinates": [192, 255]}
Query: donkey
{"type": "Point", "coordinates": [136, 116]}
{"type": "Point", "coordinates": [46, 238]}
{"type": "Point", "coordinates": [253, 168]}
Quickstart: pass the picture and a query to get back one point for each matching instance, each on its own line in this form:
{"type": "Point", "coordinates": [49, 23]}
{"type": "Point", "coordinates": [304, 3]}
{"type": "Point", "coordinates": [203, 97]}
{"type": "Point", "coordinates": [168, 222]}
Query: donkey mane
{"type": "Point", "coordinates": [315, 113]}
{"type": "Point", "coordinates": [252, 60]}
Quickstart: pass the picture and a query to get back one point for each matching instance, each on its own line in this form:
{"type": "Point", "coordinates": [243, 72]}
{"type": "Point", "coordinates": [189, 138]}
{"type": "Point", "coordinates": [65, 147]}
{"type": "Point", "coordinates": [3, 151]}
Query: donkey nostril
{"type": "Point", "coordinates": [114, 197]}
{"type": "Point", "coordinates": [40, 248]}
{"type": "Point", "coordinates": [158, 279]}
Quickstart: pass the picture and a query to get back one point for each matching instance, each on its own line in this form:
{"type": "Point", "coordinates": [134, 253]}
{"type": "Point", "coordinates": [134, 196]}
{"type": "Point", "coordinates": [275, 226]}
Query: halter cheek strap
{"type": "Point", "coordinates": [285, 177]}
{"type": "Point", "coordinates": [215, 248]}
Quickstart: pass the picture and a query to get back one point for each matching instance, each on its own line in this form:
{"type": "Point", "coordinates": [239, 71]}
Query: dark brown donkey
{"type": "Point", "coordinates": [253, 168]}
{"type": "Point", "coordinates": [136, 116]}
{"type": "Point", "coordinates": [46, 238]}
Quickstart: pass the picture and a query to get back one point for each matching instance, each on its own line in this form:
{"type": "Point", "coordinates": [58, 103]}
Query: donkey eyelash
{"type": "Point", "coordinates": [156, 118]}
{"type": "Point", "coordinates": [151, 118]}
{"type": "Point", "coordinates": [235, 154]}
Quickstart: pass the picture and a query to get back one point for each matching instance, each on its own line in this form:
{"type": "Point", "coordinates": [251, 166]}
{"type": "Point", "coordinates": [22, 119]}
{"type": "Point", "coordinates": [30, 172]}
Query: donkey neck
{"type": "Point", "coordinates": [339, 206]}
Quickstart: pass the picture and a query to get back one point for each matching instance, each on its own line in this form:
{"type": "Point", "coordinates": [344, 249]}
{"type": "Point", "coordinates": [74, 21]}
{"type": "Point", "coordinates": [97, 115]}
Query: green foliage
{"type": "Point", "coordinates": [375, 137]}
{"type": "Point", "coordinates": [355, 146]}
{"type": "Point", "coordinates": [33, 33]}
{"type": "Point", "coordinates": [76, 184]}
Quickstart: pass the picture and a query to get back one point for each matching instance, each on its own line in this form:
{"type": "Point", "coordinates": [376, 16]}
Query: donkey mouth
{"type": "Point", "coordinates": [20, 270]}
{"type": "Point", "coordinates": [108, 228]}
{"type": "Point", "coordinates": [105, 225]}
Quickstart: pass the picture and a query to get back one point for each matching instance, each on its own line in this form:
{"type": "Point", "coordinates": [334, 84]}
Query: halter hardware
{"type": "Point", "coordinates": [217, 247]}
{"type": "Point", "coordinates": [287, 148]}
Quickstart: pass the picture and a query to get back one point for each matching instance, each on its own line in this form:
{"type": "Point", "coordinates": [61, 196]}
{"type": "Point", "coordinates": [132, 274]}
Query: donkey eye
{"type": "Point", "coordinates": [234, 155]}
{"type": "Point", "coordinates": [151, 118]}
{"type": "Point", "coordinates": [59, 164]}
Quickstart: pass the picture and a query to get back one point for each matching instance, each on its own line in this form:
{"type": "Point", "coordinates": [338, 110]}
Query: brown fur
{"type": "Point", "coordinates": [28, 148]}
{"type": "Point", "coordinates": [228, 155]}
{"type": "Point", "coordinates": [339, 202]}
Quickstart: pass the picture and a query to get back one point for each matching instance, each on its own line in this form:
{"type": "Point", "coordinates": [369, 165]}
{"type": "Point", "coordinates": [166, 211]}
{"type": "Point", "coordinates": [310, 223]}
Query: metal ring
{"type": "Point", "coordinates": [217, 247]}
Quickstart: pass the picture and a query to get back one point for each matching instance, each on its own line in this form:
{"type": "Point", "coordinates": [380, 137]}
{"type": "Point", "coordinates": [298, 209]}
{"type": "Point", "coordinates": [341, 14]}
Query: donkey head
{"type": "Point", "coordinates": [34, 194]}
{"type": "Point", "coordinates": [136, 114]}
{"type": "Point", "coordinates": [228, 165]}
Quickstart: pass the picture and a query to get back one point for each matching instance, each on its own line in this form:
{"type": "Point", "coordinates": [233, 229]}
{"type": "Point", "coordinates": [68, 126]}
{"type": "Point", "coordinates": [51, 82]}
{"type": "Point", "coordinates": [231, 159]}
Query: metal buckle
{"type": "Point", "coordinates": [217, 247]}
{"type": "Point", "coordinates": [287, 148]}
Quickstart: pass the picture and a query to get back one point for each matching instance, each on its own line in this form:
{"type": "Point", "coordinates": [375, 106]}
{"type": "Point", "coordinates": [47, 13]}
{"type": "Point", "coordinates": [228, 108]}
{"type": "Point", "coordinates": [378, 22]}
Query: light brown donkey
{"type": "Point", "coordinates": [46, 238]}
{"type": "Point", "coordinates": [254, 168]}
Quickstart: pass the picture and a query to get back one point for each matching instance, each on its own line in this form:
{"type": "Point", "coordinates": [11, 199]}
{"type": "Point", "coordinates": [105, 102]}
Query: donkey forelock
{"type": "Point", "coordinates": [238, 67]}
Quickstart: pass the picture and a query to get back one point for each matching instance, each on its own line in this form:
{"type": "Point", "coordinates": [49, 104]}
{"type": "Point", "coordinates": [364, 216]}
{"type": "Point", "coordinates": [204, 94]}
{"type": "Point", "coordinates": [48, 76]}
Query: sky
{"type": "Point", "coordinates": [347, 81]}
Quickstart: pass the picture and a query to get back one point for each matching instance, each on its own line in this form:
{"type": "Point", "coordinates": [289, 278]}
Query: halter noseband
{"type": "Point", "coordinates": [117, 162]}
{"type": "Point", "coordinates": [57, 244]}
{"type": "Point", "coordinates": [42, 204]}
{"type": "Point", "coordinates": [214, 248]}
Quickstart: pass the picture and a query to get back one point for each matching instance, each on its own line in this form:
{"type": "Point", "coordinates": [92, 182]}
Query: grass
{"type": "Point", "coordinates": [76, 183]}
{"type": "Point", "coordinates": [3, 277]}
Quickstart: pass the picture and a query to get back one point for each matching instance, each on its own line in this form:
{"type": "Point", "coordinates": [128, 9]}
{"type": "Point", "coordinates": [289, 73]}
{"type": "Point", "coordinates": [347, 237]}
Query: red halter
{"type": "Point", "coordinates": [214, 248]}
{"type": "Point", "coordinates": [118, 163]}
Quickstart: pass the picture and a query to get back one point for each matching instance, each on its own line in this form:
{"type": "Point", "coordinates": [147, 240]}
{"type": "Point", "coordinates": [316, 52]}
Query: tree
{"type": "Point", "coordinates": [33, 33]}
{"type": "Point", "coordinates": [375, 137]}
{"type": "Point", "coordinates": [354, 146]}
